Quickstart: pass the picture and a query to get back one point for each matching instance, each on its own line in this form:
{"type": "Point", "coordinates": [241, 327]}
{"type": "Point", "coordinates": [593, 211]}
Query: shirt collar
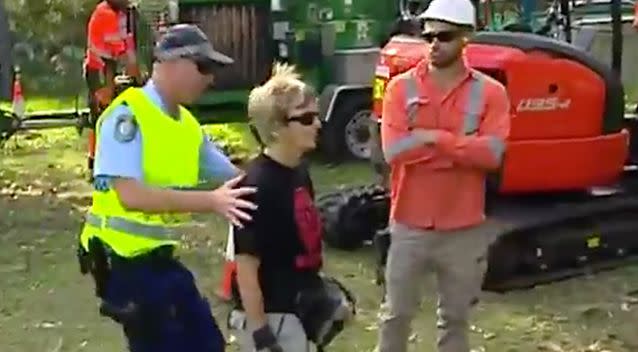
{"type": "Point", "coordinates": [153, 94]}
{"type": "Point", "coordinates": [422, 69]}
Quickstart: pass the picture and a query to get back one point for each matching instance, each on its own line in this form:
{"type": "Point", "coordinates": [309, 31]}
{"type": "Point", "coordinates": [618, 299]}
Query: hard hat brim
{"type": "Point", "coordinates": [447, 20]}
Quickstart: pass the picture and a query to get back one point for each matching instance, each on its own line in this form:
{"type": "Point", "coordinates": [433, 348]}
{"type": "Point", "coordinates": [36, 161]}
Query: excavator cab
{"type": "Point", "coordinates": [558, 123]}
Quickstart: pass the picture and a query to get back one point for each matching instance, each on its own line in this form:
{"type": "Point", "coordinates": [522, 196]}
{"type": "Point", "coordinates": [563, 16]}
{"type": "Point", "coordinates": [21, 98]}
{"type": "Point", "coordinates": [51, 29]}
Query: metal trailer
{"type": "Point", "coordinates": [334, 43]}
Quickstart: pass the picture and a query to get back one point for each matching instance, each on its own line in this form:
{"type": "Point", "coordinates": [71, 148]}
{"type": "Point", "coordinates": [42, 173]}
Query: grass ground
{"type": "Point", "coordinates": [46, 305]}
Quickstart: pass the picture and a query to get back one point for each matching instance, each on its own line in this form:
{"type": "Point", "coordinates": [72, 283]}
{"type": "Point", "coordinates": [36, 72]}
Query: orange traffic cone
{"type": "Point", "coordinates": [225, 289]}
{"type": "Point", "coordinates": [18, 97]}
{"type": "Point", "coordinates": [91, 150]}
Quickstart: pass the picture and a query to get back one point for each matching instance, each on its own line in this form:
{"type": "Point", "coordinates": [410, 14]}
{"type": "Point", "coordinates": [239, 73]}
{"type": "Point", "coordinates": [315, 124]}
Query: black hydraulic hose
{"type": "Point", "coordinates": [616, 36]}
{"type": "Point", "coordinates": [564, 13]}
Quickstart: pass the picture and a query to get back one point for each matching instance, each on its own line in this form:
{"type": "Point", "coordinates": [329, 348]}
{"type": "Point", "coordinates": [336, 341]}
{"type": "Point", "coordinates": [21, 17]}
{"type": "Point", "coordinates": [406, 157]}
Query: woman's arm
{"type": "Point", "coordinates": [249, 289]}
{"type": "Point", "coordinates": [248, 251]}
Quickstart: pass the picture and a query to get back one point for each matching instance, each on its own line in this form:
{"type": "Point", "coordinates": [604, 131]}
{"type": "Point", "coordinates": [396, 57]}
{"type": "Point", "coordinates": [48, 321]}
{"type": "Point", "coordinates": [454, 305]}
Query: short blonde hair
{"type": "Point", "coordinates": [270, 103]}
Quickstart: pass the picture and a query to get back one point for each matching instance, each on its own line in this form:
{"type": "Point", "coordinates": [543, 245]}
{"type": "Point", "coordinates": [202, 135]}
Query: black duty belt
{"type": "Point", "coordinates": [155, 256]}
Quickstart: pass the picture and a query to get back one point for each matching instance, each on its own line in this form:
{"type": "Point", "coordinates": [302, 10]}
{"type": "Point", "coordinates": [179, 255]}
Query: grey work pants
{"type": "Point", "coordinates": [286, 327]}
{"type": "Point", "coordinates": [458, 258]}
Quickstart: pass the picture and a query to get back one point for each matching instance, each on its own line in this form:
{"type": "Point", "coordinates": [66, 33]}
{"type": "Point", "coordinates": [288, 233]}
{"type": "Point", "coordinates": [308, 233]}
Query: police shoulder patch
{"type": "Point", "coordinates": [125, 128]}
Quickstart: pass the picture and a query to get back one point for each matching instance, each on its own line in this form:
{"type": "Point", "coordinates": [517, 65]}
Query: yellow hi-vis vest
{"type": "Point", "coordinates": [170, 159]}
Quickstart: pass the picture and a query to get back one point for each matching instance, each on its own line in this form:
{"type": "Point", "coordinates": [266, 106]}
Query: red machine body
{"type": "Point", "coordinates": [566, 128]}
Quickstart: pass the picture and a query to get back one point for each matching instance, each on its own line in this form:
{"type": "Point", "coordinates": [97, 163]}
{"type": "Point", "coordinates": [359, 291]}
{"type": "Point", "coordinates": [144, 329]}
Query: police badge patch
{"type": "Point", "coordinates": [125, 128]}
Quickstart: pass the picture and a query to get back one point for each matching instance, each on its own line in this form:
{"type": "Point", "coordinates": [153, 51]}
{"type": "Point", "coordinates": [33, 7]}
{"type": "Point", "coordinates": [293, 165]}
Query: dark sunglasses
{"type": "Point", "coordinates": [305, 119]}
{"type": "Point", "coordinates": [442, 36]}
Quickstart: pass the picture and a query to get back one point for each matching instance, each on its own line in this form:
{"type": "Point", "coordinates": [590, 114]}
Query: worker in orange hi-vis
{"type": "Point", "coordinates": [443, 130]}
{"type": "Point", "coordinates": [109, 46]}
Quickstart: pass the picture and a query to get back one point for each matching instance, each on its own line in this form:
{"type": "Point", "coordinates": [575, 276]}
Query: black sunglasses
{"type": "Point", "coordinates": [442, 36]}
{"type": "Point", "coordinates": [305, 119]}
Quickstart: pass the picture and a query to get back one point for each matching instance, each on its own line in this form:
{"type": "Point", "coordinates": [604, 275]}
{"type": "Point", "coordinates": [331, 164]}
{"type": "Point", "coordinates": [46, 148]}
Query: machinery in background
{"type": "Point", "coordinates": [335, 43]}
{"type": "Point", "coordinates": [568, 189]}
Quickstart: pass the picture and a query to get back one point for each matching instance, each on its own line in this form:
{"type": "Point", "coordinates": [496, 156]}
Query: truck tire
{"type": "Point", "coordinates": [6, 67]}
{"type": "Point", "coordinates": [346, 135]}
{"type": "Point", "coordinates": [353, 215]}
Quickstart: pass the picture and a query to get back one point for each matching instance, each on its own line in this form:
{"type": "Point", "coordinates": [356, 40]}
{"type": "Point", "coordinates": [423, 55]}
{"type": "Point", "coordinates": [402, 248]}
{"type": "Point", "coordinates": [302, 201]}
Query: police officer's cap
{"type": "Point", "coordinates": [188, 41]}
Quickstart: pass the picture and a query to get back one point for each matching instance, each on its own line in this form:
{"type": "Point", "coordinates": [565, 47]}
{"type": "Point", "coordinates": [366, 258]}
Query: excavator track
{"type": "Point", "coordinates": [540, 239]}
{"type": "Point", "coordinates": [346, 215]}
{"type": "Point", "coordinates": [547, 242]}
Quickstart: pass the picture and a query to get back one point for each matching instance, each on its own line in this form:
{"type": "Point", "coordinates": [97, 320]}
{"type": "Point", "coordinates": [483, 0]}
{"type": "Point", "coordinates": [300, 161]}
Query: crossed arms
{"type": "Point", "coordinates": [484, 150]}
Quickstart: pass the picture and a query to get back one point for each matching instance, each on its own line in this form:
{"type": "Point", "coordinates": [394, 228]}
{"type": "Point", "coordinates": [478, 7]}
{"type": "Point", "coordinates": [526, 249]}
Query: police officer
{"type": "Point", "coordinates": [150, 154]}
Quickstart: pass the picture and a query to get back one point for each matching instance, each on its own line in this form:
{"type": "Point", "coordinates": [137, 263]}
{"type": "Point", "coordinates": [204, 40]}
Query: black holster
{"type": "Point", "coordinates": [137, 317]}
{"type": "Point", "coordinates": [95, 261]}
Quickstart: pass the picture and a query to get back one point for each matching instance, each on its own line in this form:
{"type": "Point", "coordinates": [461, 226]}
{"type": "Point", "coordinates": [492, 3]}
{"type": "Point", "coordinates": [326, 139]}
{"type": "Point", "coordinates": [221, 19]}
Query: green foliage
{"type": "Point", "coordinates": [234, 139]}
{"type": "Point", "coordinates": [49, 43]}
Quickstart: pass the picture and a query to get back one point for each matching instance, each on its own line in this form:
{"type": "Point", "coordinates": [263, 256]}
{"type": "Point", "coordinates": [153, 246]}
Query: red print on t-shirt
{"type": "Point", "coordinates": [309, 229]}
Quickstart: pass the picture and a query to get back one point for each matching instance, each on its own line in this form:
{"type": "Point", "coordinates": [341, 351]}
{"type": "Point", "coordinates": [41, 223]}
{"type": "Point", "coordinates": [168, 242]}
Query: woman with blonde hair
{"type": "Point", "coordinates": [279, 253]}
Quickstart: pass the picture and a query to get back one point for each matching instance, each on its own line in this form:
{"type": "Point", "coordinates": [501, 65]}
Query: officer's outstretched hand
{"type": "Point", "coordinates": [228, 203]}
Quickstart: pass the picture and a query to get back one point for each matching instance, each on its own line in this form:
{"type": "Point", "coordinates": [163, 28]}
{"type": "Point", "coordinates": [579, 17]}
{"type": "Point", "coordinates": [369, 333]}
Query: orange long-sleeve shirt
{"type": "Point", "coordinates": [107, 36]}
{"type": "Point", "coordinates": [442, 185]}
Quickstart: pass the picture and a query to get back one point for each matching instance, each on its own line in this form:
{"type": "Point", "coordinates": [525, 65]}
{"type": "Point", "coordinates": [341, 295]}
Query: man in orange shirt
{"type": "Point", "coordinates": [109, 45]}
{"type": "Point", "coordinates": [443, 129]}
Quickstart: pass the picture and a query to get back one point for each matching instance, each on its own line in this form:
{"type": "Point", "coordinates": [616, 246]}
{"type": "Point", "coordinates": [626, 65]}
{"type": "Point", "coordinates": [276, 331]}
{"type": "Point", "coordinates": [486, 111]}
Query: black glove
{"type": "Point", "coordinates": [265, 340]}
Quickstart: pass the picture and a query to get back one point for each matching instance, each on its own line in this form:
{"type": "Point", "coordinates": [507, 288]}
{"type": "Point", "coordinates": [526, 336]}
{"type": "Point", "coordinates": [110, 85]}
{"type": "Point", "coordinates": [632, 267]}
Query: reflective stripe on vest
{"type": "Point", "coordinates": [155, 232]}
{"type": "Point", "coordinates": [412, 97]}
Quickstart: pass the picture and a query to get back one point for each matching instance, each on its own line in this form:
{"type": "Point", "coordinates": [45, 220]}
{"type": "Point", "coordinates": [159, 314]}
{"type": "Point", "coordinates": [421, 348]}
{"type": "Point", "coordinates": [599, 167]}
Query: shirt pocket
{"type": "Point", "coordinates": [466, 121]}
{"type": "Point", "coordinates": [422, 113]}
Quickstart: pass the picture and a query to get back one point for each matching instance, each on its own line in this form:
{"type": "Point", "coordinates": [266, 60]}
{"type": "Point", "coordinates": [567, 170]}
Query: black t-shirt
{"type": "Point", "coordinates": [285, 233]}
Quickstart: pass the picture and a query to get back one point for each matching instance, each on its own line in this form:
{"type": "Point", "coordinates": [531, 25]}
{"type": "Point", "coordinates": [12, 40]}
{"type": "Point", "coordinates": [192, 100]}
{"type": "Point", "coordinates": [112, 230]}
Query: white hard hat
{"type": "Point", "coordinates": [460, 12]}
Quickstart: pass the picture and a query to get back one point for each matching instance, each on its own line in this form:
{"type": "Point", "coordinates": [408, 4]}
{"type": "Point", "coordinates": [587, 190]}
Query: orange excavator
{"type": "Point", "coordinates": [567, 192]}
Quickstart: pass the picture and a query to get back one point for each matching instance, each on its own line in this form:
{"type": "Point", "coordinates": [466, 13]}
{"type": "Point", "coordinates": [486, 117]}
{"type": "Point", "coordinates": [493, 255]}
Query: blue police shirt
{"type": "Point", "coordinates": [124, 145]}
